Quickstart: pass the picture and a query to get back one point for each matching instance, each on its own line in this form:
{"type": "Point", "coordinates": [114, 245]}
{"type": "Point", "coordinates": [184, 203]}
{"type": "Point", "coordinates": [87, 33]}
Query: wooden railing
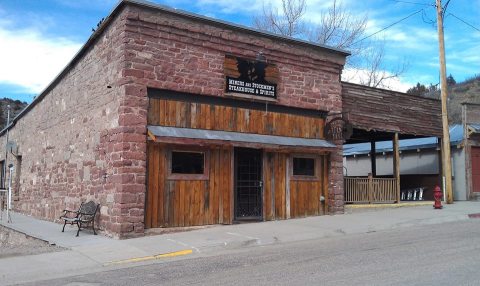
{"type": "Point", "coordinates": [371, 190]}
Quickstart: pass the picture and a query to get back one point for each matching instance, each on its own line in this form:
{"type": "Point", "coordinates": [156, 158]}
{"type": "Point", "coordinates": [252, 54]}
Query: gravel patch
{"type": "Point", "coordinates": [14, 243]}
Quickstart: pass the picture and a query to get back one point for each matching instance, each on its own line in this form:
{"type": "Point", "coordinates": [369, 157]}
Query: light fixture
{"type": "Point", "coordinates": [261, 57]}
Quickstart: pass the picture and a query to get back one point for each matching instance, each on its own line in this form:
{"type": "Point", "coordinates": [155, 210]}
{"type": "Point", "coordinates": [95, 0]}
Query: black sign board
{"type": "Point", "coordinates": [251, 80]}
{"type": "Point", "coordinates": [252, 88]}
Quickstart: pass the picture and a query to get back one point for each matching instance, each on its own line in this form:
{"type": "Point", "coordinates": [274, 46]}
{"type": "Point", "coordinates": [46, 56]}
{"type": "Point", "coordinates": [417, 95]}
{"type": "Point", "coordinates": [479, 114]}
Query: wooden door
{"type": "Point", "coordinates": [476, 169]}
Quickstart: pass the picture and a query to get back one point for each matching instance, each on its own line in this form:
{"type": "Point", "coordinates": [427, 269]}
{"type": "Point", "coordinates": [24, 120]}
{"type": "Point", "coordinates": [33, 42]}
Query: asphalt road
{"type": "Point", "coordinates": [444, 254]}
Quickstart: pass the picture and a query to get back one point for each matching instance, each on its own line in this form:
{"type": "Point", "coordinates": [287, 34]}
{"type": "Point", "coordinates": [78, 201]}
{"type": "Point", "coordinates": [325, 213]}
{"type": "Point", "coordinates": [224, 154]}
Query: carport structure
{"type": "Point", "coordinates": [380, 115]}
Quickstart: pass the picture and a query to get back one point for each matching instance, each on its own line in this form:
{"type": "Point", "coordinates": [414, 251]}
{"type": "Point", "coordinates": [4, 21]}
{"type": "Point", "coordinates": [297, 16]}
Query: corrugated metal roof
{"type": "Point", "coordinates": [456, 137]}
{"type": "Point", "coordinates": [475, 127]}
{"type": "Point", "coordinates": [163, 131]}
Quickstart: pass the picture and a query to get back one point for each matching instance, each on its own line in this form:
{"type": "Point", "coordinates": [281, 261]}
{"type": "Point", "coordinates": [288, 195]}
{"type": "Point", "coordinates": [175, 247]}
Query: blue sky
{"type": "Point", "coordinates": [39, 37]}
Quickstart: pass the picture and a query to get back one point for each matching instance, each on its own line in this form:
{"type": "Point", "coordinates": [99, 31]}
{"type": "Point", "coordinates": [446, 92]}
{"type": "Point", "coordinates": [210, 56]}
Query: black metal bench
{"type": "Point", "coordinates": [84, 216]}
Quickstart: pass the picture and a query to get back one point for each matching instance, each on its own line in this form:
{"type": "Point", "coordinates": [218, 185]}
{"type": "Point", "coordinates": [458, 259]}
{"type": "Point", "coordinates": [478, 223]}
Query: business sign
{"type": "Point", "coordinates": [250, 77]}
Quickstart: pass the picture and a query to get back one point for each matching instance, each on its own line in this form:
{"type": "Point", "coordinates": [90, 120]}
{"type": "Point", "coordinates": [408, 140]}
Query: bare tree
{"type": "Point", "coordinates": [288, 22]}
{"type": "Point", "coordinates": [337, 28]}
{"type": "Point", "coordinates": [375, 74]}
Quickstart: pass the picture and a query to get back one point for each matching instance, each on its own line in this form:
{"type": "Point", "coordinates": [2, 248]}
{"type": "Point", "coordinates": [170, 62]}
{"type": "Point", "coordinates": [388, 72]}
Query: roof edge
{"type": "Point", "coordinates": [142, 3]}
{"type": "Point", "coordinates": [388, 90]}
{"type": "Point", "coordinates": [68, 67]}
{"type": "Point", "coordinates": [234, 26]}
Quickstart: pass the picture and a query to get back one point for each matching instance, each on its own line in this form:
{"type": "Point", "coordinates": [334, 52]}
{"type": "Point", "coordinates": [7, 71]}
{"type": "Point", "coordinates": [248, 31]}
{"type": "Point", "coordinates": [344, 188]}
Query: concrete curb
{"type": "Point", "coordinates": [151, 257]}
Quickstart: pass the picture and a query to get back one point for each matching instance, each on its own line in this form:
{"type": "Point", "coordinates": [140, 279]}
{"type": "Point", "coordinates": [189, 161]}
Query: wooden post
{"type": "Point", "coordinates": [446, 157]}
{"type": "Point", "coordinates": [370, 188]}
{"type": "Point", "coordinates": [396, 164]}
{"type": "Point", "coordinates": [287, 187]}
{"type": "Point", "coordinates": [373, 157]}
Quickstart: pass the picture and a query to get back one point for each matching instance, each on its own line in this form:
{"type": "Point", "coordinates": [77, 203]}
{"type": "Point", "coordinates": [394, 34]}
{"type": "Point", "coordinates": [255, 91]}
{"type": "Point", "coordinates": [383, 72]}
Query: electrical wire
{"type": "Point", "coordinates": [414, 3]}
{"type": "Point", "coordinates": [389, 26]}
{"type": "Point", "coordinates": [468, 24]}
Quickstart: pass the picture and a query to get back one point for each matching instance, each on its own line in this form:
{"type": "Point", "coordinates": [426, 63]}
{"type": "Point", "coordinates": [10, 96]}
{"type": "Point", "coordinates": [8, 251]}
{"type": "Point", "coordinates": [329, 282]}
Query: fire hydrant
{"type": "Point", "coordinates": [437, 195]}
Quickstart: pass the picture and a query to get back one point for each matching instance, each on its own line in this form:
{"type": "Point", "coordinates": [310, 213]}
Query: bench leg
{"type": "Point", "coordinates": [93, 226]}
{"type": "Point", "coordinates": [63, 229]}
{"type": "Point", "coordinates": [79, 226]}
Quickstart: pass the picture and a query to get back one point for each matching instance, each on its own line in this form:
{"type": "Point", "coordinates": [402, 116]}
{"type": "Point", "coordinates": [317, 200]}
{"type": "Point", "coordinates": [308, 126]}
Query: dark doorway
{"type": "Point", "coordinates": [248, 184]}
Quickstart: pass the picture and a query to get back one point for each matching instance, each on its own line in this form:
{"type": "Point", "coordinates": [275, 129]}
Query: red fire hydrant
{"type": "Point", "coordinates": [437, 195]}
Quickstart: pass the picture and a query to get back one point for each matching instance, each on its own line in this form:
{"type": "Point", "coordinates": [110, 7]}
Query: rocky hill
{"type": "Point", "coordinates": [467, 91]}
{"type": "Point", "coordinates": [15, 107]}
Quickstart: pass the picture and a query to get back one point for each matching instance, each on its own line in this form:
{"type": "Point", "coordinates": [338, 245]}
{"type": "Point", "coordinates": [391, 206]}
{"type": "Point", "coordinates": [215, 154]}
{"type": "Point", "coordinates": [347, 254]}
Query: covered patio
{"type": "Point", "coordinates": [375, 115]}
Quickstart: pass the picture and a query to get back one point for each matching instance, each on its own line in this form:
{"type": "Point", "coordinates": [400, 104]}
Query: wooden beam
{"type": "Point", "coordinates": [287, 187]}
{"type": "Point", "coordinates": [230, 144]}
{"type": "Point", "coordinates": [396, 164]}
{"type": "Point", "coordinates": [373, 157]}
{"type": "Point", "coordinates": [151, 136]}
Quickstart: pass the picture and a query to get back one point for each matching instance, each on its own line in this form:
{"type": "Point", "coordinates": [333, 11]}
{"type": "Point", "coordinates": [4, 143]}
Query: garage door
{"type": "Point", "coordinates": [476, 169]}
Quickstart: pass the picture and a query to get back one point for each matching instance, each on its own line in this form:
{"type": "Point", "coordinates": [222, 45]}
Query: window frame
{"type": "Point", "coordinates": [316, 172]}
{"type": "Point", "coordinates": [189, 177]}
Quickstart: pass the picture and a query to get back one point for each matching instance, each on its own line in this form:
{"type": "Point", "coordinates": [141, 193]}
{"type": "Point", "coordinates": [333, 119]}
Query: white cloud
{"type": "Point", "coordinates": [360, 75]}
{"type": "Point", "coordinates": [31, 60]}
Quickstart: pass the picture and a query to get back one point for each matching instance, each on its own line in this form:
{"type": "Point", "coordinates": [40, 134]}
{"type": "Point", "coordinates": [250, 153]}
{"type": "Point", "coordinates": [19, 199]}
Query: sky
{"type": "Point", "coordinates": [39, 37]}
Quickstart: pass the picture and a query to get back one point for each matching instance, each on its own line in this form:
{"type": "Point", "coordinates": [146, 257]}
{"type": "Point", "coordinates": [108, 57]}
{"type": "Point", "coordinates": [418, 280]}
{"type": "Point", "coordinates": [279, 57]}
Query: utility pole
{"type": "Point", "coordinates": [446, 157]}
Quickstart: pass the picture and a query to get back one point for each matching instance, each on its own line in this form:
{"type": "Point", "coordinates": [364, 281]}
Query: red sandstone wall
{"type": "Point", "coordinates": [68, 140]}
{"type": "Point", "coordinates": [171, 52]}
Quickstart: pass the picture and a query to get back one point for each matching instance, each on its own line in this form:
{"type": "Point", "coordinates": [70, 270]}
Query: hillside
{"type": "Point", "coordinates": [467, 91]}
{"type": "Point", "coordinates": [15, 107]}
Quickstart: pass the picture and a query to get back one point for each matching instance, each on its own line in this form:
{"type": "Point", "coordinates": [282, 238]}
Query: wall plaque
{"type": "Point", "coordinates": [256, 78]}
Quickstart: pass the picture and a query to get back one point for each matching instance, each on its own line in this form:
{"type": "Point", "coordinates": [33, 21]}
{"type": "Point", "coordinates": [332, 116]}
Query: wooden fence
{"type": "Point", "coordinates": [371, 190]}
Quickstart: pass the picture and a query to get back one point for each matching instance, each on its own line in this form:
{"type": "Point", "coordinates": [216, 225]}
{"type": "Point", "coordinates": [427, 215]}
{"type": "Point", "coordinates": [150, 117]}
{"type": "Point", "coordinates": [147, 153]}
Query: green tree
{"type": "Point", "coordinates": [419, 89]}
{"type": "Point", "coordinates": [451, 81]}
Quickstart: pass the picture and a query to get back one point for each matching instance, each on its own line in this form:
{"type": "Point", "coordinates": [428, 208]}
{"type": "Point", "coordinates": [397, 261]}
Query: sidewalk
{"type": "Point", "coordinates": [89, 253]}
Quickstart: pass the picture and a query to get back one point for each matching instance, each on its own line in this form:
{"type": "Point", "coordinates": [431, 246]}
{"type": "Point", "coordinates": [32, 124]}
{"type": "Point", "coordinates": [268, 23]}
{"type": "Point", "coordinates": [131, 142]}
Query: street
{"type": "Point", "coordinates": [441, 254]}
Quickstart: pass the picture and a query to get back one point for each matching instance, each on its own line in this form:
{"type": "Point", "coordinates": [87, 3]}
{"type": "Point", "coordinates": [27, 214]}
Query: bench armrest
{"type": "Point", "coordinates": [65, 212]}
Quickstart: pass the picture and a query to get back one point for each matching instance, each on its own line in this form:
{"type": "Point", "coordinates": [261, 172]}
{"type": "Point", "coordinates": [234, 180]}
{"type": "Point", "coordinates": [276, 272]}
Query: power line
{"type": "Point", "coordinates": [414, 3]}
{"type": "Point", "coordinates": [389, 26]}
{"type": "Point", "coordinates": [468, 24]}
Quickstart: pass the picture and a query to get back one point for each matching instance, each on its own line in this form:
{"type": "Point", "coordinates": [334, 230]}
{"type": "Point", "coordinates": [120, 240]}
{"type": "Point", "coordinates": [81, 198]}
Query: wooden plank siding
{"type": "Point", "coordinates": [274, 190]}
{"type": "Point", "coordinates": [180, 201]}
{"type": "Point", "coordinates": [377, 109]}
{"type": "Point", "coordinates": [226, 118]}
{"type": "Point", "coordinates": [305, 193]}
{"type": "Point", "coordinates": [174, 203]}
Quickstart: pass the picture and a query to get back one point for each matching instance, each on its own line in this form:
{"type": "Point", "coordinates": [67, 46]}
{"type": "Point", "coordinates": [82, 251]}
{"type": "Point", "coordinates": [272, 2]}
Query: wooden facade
{"type": "Point", "coordinates": [210, 199]}
{"type": "Point", "coordinates": [185, 114]}
{"type": "Point", "coordinates": [177, 202]}
{"type": "Point", "coordinates": [380, 110]}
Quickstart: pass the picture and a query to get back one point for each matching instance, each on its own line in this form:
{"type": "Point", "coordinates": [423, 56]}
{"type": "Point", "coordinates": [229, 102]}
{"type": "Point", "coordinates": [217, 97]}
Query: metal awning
{"type": "Point", "coordinates": [176, 135]}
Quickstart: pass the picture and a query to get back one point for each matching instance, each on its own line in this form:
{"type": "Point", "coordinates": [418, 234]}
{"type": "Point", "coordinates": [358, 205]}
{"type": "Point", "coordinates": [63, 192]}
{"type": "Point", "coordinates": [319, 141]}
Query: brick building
{"type": "Point", "coordinates": [167, 118]}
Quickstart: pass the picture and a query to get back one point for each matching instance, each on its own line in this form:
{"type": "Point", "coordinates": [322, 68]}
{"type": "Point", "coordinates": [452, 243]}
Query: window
{"type": "Point", "coordinates": [303, 166]}
{"type": "Point", "coordinates": [192, 163]}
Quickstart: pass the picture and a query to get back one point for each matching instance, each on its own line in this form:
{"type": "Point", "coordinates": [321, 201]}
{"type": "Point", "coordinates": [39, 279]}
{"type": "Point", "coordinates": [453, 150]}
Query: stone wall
{"type": "Point", "coordinates": [67, 141]}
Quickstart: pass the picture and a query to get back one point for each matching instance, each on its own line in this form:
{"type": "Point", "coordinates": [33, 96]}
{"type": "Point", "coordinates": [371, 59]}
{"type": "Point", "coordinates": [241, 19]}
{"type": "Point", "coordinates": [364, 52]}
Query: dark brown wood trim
{"type": "Point", "coordinates": [233, 102]}
{"type": "Point", "coordinates": [268, 147]}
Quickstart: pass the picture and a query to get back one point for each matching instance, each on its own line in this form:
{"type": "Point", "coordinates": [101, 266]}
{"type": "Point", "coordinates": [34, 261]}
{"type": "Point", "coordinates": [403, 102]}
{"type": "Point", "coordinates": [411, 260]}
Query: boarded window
{"type": "Point", "coordinates": [303, 166]}
{"type": "Point", "coordinates": [188, 163]}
